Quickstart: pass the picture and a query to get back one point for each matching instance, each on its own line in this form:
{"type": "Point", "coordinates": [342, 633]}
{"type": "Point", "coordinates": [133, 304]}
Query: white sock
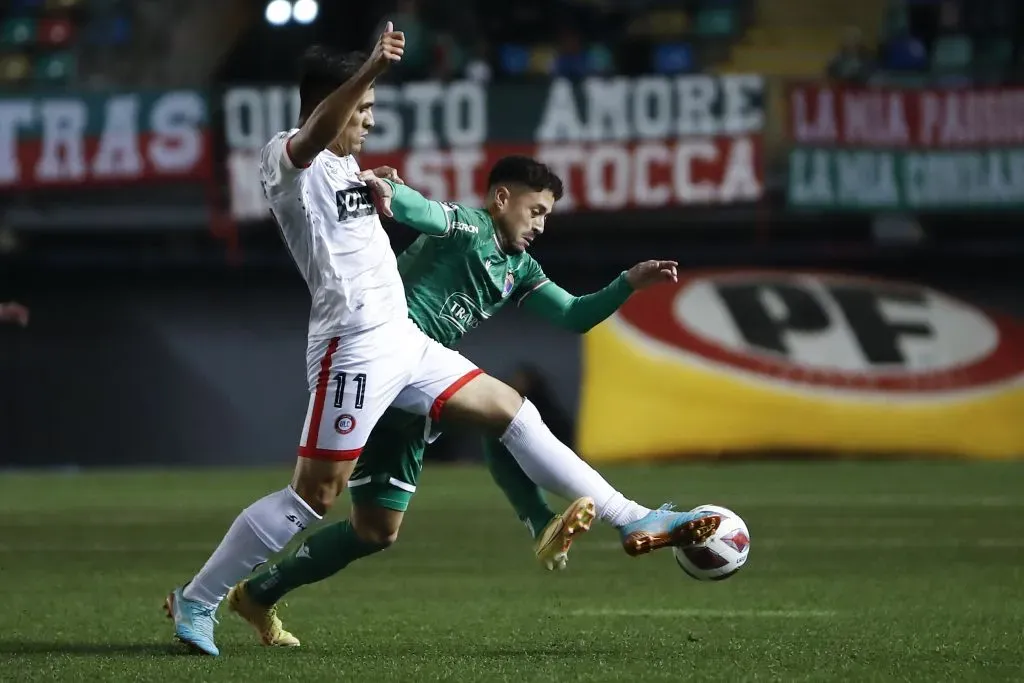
{"type": "Point", "coordinates": [261, 530]}
{"type": "Point", "coordinates": [553, 466]}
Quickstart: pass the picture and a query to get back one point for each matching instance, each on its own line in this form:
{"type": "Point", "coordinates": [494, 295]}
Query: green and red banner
{"type": "Point", "coordinates": [619, 143]}
{"type": "Point", "coordinates": [68, 139]}
{"type": "Point", "coordinates": [915, 150]}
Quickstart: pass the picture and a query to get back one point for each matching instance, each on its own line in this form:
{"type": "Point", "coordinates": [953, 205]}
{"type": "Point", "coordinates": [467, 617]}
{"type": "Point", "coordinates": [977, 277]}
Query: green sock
{"type": "Point", "coordinates": [526, 497]}
{"type": "Point", "coordinates": [323, 553]}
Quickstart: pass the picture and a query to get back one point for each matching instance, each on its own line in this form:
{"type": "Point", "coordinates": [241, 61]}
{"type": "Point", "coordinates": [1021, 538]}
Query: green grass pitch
{"type": "Point", "coordinates": [858, 572]}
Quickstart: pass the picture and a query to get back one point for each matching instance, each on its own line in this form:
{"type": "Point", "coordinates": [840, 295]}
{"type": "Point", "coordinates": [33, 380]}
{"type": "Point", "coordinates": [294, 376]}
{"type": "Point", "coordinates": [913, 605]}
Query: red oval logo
{"type": "Point", "coordinates": [829, 330]}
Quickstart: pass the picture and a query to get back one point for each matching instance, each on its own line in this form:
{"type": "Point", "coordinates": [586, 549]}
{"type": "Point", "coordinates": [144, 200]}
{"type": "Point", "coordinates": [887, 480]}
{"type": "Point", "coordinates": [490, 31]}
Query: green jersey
{"type": "Point", "coordinates": [458, 279]}
{"type": "Point", "coordinates": [456, 274]}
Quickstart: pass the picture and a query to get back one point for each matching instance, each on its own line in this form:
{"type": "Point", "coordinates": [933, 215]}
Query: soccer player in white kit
{"type": "Point", "coordinates": [365, 354]}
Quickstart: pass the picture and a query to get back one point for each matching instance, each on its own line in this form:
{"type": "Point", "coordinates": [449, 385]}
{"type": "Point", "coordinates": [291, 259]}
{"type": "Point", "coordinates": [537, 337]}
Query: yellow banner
{"type": "Point", "coordinates": [742, 362]}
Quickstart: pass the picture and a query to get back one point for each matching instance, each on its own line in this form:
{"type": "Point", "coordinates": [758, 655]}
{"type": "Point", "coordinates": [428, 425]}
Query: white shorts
{"type": "Point", "coordinates": [353, 380]}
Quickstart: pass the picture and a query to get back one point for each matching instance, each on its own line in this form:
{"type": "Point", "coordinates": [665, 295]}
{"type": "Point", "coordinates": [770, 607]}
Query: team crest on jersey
{"type": "Point", "coordinates": [345, 424]}
{"type": "Point", "coordinates": [510, 283]}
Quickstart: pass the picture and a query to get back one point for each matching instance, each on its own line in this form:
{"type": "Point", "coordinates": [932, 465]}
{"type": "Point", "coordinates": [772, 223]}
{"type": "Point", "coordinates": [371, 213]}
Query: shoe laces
{"type": "Point", "coordinates": [668, 507]}
{"type": "Point", "coordinates": [205, 626]}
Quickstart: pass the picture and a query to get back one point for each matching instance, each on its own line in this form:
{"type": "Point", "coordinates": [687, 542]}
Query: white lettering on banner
{"type": "Point", "coordinates": [253, 115]}
{"type": "Point", "coordinates": [427, 171]}
{"type": "Point", "coordinates": [875, 119]}
{"type": "Point", "coordinates": [810, 181]}
{"type": "Point", "coordinates": [686, 154]}
{"type": "Point", "coordinates": [561, 119]}
{"type": "Point", "coordinates": [63, 153]}
{"type": "Point", "coordinates": [607, 101]}
{"type": "Point", "coordinates": [247, 199]}
{"type": "Point", "coordinates": [608, 177]}
{"type": "Point", "coordinates": [118, 154]}
{"type": "Point", "coordinates": [867, 178]}
{"type": "Point", "coordinates": [562, 159]}
{"type": "Point", "coordinates": [648, 193]}
{"type": "Point", "coordinates": [741, 183]}
{"type": "Point", "coordinates": [879, 179]}
{"type": "Point", "coordinates": [957, 178]}
{"type": "Point", "coordinates": [465, 114]}
{"type": "Point", "coordinates": [465, 162]}
{"type": "Point", "coordinates": [652, 108]}
{"type": "Point", "coordinates": [387, 129]}
{"type": "Point", "coordinates": [177, 142]}
{"type": "Point", "coordinates": [824, 127]}
{"type": "Point", "coordinates": [14, 114]}
{"type": "Point", "coordinates": [972, 118]}
{"type": "Point", "coordinates": [423, 96]}
{"type": "Point", "coordinates": [696, 95]}
{"type": "Point", "coordinates": [692, 171]}
{"type": "Point", "coordinates": [642, 108]}
{"type": "Point", "coordinates": [439, 114]}
{"type": "Point", "coordinates": [738, 116]}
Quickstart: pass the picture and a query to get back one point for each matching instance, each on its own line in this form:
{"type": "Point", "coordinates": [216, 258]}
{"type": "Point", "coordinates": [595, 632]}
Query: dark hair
{"type": "Point", "coordinates": [520, 170]}
{"type": "Point", "coordinates": [322, 71]}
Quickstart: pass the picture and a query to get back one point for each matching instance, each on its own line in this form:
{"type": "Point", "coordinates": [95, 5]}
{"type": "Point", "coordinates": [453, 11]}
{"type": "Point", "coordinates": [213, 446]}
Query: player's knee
{"type": "Point", "coordinates": [319, 494]}
{"type": "Point", "coordinates": [378, 536]}
{"type": "Point", "coordinates": [487, 402]}
{"type": "Point", "coordinates": [503, 406]}
{"type": "Point", "coordinates": [376, 525]}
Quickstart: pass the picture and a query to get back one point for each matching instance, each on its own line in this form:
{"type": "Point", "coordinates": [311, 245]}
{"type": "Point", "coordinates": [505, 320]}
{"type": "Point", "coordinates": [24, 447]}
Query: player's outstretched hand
{"type": "Point", "coordinates": [389, 48]}
{"type": "Point", "coordinates": [382, 192]}
{"type": "Point", "coordinates": [14, 312]}
{"type": "Point", "coordinates": [649, 273]}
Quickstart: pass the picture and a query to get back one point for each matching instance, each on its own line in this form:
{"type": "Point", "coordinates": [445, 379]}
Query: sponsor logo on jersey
{"type": "Point", "coordinates": [345, 424]}
{"type": "Point", "coordinates": [823, 331]}
{"type": "Point", "coordinates": [465, 227]}
{"type": "Point", "coordinates": [510, 283]}
{"type": "Point", "coordinates": [460, 311]}
{"type": "Point", "coordinates": [354, 203]}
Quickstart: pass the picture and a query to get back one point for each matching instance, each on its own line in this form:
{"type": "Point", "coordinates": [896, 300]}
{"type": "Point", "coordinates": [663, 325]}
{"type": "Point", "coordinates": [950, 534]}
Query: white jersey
{"type": "Point", "coordinates": [330, 224]}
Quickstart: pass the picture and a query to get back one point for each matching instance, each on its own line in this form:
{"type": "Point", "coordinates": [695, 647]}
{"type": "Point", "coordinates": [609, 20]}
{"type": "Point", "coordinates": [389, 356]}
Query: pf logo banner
{"type": "Point", "coordinates": [829, 332]}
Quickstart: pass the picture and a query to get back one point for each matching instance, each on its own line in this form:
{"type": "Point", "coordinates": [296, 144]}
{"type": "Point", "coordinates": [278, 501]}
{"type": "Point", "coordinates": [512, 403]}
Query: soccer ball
{"type": "Point", "coordinates": [720, 556]}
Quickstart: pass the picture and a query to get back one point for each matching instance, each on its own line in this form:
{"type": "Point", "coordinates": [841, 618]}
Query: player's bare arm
{"type": "Point", "coordinates": [320, 128]}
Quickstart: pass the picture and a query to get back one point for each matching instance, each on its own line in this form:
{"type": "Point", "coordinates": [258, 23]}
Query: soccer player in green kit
{"type": "Point", "coordinates": [468, 263]}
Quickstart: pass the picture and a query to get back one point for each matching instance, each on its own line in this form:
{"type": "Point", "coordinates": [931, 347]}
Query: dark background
{"type": "Point", "coordinates": [159, 337]}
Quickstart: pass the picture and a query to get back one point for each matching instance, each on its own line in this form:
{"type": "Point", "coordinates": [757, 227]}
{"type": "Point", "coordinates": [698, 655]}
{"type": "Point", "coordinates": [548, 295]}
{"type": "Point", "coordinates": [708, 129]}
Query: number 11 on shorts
{"type": "Point", "coordinates": [340, 381]}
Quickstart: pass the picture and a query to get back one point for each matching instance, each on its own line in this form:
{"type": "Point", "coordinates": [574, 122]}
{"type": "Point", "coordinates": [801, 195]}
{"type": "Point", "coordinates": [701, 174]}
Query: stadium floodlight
{"type": "Point", "coordinates": [305, 11]}
{"type": "Point", "coordinates": [279, 12]}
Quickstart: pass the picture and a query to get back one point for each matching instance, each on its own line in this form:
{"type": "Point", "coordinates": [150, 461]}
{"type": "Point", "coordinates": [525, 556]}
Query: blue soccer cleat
{"type": "Point", "coordinates": [193, 622]}
{"type": "Point", "coordinates": [664, 527]}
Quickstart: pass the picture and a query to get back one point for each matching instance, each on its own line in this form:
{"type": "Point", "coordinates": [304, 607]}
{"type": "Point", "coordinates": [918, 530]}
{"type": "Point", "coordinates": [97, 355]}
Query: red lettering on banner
{"type": "Point", "coordinates": [894, 118]}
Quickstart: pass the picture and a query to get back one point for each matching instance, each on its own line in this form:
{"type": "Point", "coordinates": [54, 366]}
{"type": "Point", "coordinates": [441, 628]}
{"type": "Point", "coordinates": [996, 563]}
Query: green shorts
{"type": "Point", "coordinates": [389, 466]}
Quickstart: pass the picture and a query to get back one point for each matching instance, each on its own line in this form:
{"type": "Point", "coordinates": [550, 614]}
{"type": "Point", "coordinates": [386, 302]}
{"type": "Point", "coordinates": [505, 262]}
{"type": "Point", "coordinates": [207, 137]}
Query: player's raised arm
{"type": "Point", "coordinates": [321, 126]}
{"type": "Point", "coordinates": [581, 313]}
{"type": "Point", "coordinates": [408, 206]}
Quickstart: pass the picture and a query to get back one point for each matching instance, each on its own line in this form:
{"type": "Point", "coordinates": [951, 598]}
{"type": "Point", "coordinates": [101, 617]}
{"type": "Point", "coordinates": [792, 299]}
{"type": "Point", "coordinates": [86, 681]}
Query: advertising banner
{"type": "Point", "coordinates": [869, 149]}
{"type": "Point", "coordinates": [766, 362]}
{"type": "Point", "coordinates": [618, 143]}
{"type": "Point", "coordinates": [69, 139]}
